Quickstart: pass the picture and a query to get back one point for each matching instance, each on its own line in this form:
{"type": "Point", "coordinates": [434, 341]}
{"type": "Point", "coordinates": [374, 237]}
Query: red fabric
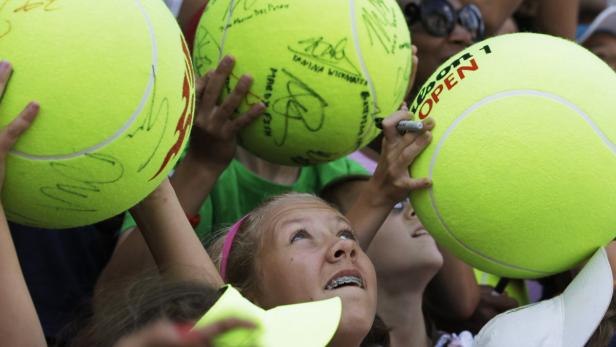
{"type": "Point", "coordinates": [194, 220]}
{"type": "Point", "coordinates": [191, 31]}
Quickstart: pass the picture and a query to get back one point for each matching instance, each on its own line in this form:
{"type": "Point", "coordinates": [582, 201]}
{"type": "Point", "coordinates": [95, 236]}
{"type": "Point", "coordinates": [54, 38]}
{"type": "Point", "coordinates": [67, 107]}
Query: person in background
{"type": "Point", "coordinates": [552, 17]}
{"type": "Point", "coordinates": [441, 29]}
{"type": "Point", "coordinates": [600, 36]}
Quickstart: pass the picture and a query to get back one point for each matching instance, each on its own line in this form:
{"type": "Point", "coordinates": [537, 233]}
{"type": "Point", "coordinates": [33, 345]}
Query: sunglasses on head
{"type": "Point", "coordinates": [439, 18]}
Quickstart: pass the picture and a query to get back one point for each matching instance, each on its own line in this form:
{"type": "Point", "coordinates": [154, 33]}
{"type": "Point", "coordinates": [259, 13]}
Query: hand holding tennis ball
{"type": "Point", "coordinates": [10, 134]}
{"type": "Point", "coordinates": [392, 178]}
{"type": "Point", "coordinates": [524, 155]}
{"type": "Point", "coordinates": [214, 138]}
{"type": "Point", "coordinates": [325, 69]}
{"type": "Point", "coordinates": [116, 83]}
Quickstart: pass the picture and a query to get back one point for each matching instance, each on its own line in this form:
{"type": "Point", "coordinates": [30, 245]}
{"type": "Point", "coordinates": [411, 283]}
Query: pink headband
{"type": "Point", "coordinates": [226, 247]}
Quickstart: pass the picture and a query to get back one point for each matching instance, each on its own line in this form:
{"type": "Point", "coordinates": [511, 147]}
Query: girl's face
{"type": "Point", "coordinates": [309, 252]}
{"type": "Point", "coordinates": [403, 251]}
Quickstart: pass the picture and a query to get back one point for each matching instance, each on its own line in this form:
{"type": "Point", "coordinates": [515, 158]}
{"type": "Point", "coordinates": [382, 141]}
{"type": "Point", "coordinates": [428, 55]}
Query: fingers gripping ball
{"type": "Point", "coordinates": [115, 86]}
{"type": "Point", "coordinates": [523, 156]}
{"type": "Point", "coordinates": [324, 68]}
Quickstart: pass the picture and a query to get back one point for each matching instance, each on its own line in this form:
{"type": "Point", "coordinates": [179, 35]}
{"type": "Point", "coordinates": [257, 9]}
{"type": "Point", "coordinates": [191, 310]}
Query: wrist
{"type": "Point", "coordinates": [193, 182]}
{"type": "Point", "coordinates": [376, 195]}
{"type": "Point", "coordinates": [193, 219]}
{"type": "Point", "coordinates": [200, 164]}
{"type": "Point", "coordinates": [196, 170]}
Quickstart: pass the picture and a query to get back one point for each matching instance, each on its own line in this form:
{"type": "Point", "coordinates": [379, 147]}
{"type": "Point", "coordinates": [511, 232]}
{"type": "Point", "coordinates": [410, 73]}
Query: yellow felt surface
{"type": "Point", "coordinates": [304, 58]}
{"type": "Point", "coordinates": [89, 64]}
{"type": "Point", "coordinates": [523, 183]}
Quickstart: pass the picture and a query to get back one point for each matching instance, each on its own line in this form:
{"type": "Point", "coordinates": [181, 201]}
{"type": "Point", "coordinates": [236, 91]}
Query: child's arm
{"type": "Point", "coordinates": [391, 182]}
{"type": "Point", "coordinates": [214, 136]}
{"type": "Point", "coordinates": [19, 324]}
{"type": "Point", "coordinates": [162, 216]}
{"type": "Point", "coordinates": [212, 147]}
{"type": "Point", "coordinates": [171, 239]}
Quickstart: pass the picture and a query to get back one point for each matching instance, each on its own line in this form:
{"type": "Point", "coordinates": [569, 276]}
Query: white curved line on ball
{"type": "Point", "coordinates": [466, 114]}
{"type": "Point", "coordinates": [360, 56]}
{"type": "Point", "coordinates": [223, 38]}
{"type": "Point", "coordinates": [133, 117]}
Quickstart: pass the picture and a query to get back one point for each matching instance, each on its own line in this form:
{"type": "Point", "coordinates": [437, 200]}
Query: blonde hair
{"type": "Point", "coordinates": [242, 266]}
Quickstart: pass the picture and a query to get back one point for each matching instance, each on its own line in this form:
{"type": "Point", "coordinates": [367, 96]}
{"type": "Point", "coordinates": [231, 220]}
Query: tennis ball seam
{"type": "Point", "coordinates": [131, 119]}
{"type": "Point", "coordinates": [223, 37]}
{"type": "Point", "coordinates": [468, 112]}
{"type": "Point", "coordinates": [360, 57]}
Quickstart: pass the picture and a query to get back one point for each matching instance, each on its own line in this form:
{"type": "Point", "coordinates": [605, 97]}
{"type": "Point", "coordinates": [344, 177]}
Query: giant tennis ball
{"type": "Point", "coordinates": [523, 157]}
{"type": "Point", "coordinates": [326, 69]}
{"type": "Point", "coordinates": [115, 86]}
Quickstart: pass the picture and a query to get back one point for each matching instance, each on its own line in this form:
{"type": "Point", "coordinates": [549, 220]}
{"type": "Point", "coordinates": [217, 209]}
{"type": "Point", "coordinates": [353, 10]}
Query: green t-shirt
{"type": "Point", "coordinates": [238, 191]}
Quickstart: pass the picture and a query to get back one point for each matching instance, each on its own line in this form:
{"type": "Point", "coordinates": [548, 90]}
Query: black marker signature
{"type": "Point", "coordinates": [332, 54]}
{"type": "Point", "coordinates": [302, 104]}
{"type": "Point", "coordinates": [23, 7]}
{"type": "Point", "coordinates": [5, 28]}
{"type": "Point", "coordinates": [379, 21]}
{"type": "Point", "coordinates": [151, 122]}
{"type": "Point", "coordinates": [29, 5]}
{"type": "Point", "coordinates": [20, 217]}
{"type": "Point", "coordinates": [163, 109]}
{"type": "Point", "coordinates": [204, 60]}
{"type": "Point", "coordinates": [79, 184]}
{"type": "Point", "coordinates": [233, 6]}
{"type": "Point", "coordinates": [402, 80]}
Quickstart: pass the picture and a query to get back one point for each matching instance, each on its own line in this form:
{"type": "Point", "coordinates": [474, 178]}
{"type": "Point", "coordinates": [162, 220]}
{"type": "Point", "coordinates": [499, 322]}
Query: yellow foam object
{"type": "Point", "coordinates": [325, 69]}
{"type": "Point", "coordinates": [115, 83]}
{"type": "Point", "coordinates": [311, 324]}
{"type": "Point", "coordinates": [523, 156]}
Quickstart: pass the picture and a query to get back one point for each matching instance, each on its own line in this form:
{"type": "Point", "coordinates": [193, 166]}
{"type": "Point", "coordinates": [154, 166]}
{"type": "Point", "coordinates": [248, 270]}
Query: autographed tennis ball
{"type": "Point", "coordinates": [326, 69]}
{"type": "Point", "coordinates": [115, 86]}
{"type": "Point", "coordinates": [523, 156]}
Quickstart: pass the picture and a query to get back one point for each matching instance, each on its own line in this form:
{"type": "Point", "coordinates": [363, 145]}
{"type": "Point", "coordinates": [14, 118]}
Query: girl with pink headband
{"type": "Point", "coordinates": [297, 248]}
{"type": "Point", "coordinates": [294, 248]}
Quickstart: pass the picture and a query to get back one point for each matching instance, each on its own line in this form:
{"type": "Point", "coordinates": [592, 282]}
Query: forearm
{"type": "Point", "coordinates": [368, 213]}
{"type": "Point", "coordinates": [171, 239]}
{"type": "Point", "coordinates": [19, 324]}
{"type": "Point", "coordinates": [193, 182]}
{"type": "Point", "coordinates": [131, 257]}
{"type": "Point", "coordinates": [558, 17]}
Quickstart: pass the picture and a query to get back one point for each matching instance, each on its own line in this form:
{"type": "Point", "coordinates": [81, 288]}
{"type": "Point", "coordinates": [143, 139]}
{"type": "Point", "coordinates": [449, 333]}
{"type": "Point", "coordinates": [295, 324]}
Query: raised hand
{"type": "Point", "coordinates": [214, 137]}
{"type": "Point", "coordinates": [10, 134]}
